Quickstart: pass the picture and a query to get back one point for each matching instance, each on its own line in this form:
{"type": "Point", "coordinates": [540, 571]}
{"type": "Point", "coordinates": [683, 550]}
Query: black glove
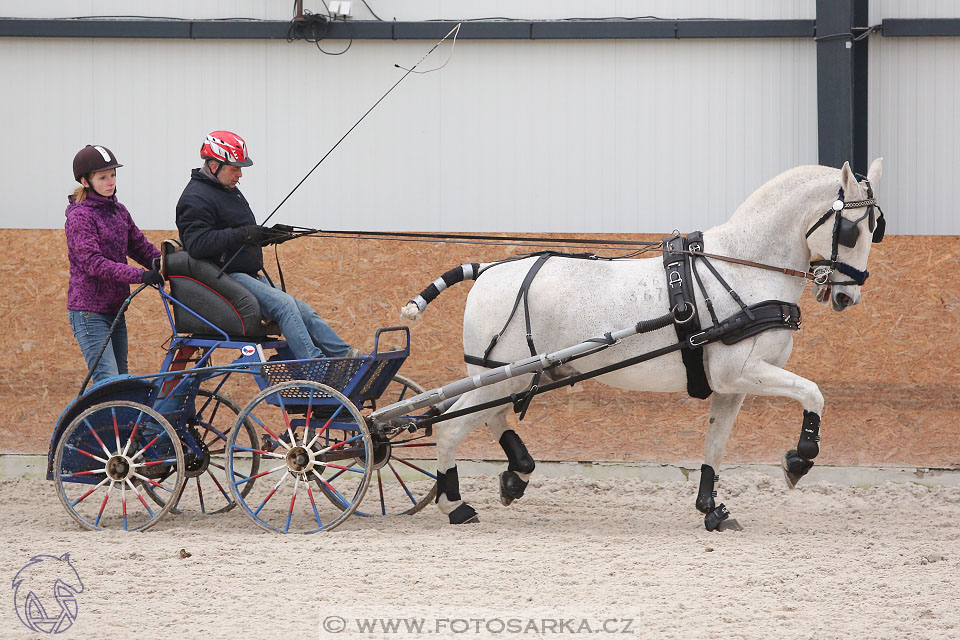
{"type": "Point", "coordinates": [278, 234]}
{"type": "Point", "coordinates": [152, 277]}
{"type": "Point", "coordinates": [254, 234]}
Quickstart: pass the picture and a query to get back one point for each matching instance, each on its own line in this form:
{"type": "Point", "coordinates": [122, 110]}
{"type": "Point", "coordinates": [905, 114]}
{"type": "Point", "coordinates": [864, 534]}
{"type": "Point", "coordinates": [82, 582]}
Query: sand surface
{"type": "Point", "coordinates": [822, 561]}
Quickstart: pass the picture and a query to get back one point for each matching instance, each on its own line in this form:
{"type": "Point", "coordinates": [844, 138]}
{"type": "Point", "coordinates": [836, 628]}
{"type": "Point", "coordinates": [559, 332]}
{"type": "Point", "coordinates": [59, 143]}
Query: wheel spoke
{"type": "Point", "coordinates": [313, 503]}
{"type": "Point", "coordinates": [86, 453]}
{"type": "Point", "coordinates": [103, 505]}
{"type": "Point", "coordinates": [97, 436]}
{"type": "Point", "coordinates": [203, 508]}
{"type": "Point", "coordinates": [402, 484]}
{"type": "Point", "coordinates": [413, 466]}
{"type": "Point", "coordinates": [325, 426]}
{"type": "Point", "coordinates": [336, 494]}
{"type": "Point", "coordinates": [267, 429]}
{"type": "Point", "coordinates": [293, 499]}
{"type": "Point", "coordinates": [219, 486]}
{"type": "Point", "coordinates": [383, 503]}
{"type": "Point", "coordinates": [133, 433]}
{"type": "Point", "coordinates": [83, 497]}
{"type": "Point", "coordinates": [269, 454]}
{"type": "Point", "coordinates": [260, 475]}
{"type": "Point", "coordinates": [140, 496]}
{"type": "Point", "coordinates": [116, 427]}
{"type": "Point", "coordinates": [270, 495]}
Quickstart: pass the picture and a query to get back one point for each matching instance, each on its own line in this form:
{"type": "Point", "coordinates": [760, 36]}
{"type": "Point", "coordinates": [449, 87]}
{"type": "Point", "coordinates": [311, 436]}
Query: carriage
{"type": "Point", "coordinates": [298, 457]}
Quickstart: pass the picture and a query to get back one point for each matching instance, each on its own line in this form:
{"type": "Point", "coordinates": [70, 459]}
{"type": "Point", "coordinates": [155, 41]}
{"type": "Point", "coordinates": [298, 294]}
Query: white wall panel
{"type": "Point", "coordinates": [914, 100]}
{"type": "Point", "coordinates": [610, 136]}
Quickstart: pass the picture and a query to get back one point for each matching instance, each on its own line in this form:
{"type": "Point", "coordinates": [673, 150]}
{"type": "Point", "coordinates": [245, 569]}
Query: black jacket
{"type": "Point", "coordinates": [209, 217]}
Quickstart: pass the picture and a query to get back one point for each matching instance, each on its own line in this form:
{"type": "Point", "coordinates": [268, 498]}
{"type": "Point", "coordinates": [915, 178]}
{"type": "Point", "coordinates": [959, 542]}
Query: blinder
{"type": "Point", "coordinates": [847, 233]}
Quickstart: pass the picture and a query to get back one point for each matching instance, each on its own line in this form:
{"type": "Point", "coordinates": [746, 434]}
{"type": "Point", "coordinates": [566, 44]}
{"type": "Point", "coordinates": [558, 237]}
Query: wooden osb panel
{"type": "Point", "coordinates": [888, 368]}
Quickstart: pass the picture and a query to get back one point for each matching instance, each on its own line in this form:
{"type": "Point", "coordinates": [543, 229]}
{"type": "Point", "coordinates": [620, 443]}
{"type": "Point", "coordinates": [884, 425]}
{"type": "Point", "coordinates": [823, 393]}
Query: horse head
{"type": "Point", "coordinates": [840, 235]}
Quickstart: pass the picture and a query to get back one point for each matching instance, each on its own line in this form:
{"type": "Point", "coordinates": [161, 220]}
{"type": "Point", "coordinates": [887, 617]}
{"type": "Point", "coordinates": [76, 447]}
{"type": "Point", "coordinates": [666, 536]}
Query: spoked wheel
{"type": "Point", "coordinates": [207, 488]}
{"type": "Point", "coordinates": [107, 456]}
{"type": "Point", "coordinates": [404, 462]}
{"type": "Point", "coordinates": [307, 434]}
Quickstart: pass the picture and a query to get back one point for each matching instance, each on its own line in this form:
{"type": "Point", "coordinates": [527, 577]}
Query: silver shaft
{"type": "Point", "coordinates": [452, 390]}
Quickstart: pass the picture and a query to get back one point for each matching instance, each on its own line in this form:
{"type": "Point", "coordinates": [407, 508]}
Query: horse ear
{"type": "Point", "coordinates": [875, 171]}
{"type": "Point", "coordinates": [848, 181]}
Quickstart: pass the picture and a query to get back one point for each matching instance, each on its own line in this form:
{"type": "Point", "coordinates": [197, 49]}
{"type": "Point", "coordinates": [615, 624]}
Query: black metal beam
{"type": "Point", "coordinates": [430, 30]}
{"type": "Point", "coordinates": [921, 27]}
{"type": "Point", "coordinates": [841, 84]}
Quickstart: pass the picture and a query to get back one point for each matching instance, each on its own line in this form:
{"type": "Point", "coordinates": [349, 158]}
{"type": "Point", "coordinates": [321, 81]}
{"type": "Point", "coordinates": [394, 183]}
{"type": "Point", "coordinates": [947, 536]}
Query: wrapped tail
{"type": "Point", "coordinates": [413, 310]}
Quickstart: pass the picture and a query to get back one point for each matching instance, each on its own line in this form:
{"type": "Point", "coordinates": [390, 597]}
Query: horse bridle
{"type": "Point", "coordinates": [847, 233]}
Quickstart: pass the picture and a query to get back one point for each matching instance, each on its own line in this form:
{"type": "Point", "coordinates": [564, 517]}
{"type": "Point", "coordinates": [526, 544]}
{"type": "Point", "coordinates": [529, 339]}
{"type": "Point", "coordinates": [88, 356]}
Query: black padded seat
{"type": "Point", "coordinates": [221, 300]}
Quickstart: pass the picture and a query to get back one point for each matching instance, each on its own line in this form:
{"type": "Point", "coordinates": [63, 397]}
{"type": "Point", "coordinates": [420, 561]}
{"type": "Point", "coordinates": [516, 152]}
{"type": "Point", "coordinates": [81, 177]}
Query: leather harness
{"type": "Point", "coordinates": [680, 256]}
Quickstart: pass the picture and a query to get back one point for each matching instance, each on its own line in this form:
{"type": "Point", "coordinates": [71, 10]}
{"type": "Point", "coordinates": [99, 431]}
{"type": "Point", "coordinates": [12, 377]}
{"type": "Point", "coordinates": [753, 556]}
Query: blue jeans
{"type": "Point", "coordinates": [308, 336]}
{"type": "Point", "coordinates": [91, 329]}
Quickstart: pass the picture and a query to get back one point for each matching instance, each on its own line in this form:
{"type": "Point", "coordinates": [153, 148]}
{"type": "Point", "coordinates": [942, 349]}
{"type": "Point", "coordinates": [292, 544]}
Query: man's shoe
{"type": "Point", "coordinates": [356, 353]}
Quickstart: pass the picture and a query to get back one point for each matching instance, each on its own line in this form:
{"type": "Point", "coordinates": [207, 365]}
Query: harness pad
{"type": "Point", "coordinates": [686, 321]}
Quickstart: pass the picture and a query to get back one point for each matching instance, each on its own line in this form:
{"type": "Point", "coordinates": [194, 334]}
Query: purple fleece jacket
{"type": "Point", "coordinates": [100, 236]}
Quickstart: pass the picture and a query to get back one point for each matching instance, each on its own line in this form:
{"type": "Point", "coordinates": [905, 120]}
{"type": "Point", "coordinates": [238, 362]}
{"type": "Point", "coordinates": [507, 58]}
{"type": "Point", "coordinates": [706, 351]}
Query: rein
{"type": "Point", "coordinates": [750, 263]}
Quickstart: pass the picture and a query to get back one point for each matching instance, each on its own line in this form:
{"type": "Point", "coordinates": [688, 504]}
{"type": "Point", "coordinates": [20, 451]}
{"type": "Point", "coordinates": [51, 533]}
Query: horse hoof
{"type": "Point", "coordinates": [464, 514]}
{"type": "Point", "coordinates": [794, 467]}
{"type": "Point", "coordinates": [511, 487]}
{"type": "Point", "coordinates": [713, 519]}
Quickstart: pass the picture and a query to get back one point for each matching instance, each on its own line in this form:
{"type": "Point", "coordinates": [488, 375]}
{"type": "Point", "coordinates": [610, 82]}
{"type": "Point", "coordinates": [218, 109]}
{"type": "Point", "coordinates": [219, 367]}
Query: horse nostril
{"type": "Point", "coordinates": [844, 299]}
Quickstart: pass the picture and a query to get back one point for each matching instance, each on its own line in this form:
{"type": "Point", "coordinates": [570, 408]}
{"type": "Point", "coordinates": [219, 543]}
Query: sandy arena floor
{"type": "Point", "coordinates": [823, 561]}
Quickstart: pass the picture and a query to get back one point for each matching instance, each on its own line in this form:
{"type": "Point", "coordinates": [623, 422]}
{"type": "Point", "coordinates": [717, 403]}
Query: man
{"type": "Point", "coordinates": [216, 222]}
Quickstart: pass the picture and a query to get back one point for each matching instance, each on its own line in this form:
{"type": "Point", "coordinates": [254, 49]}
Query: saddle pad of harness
{"type": "Point", "coordinates": [686, 321]}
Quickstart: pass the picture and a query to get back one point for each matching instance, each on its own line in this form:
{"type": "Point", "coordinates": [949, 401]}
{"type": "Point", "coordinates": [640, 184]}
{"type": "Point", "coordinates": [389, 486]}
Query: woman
{"type": "Point", "coordinates": [100, 236]}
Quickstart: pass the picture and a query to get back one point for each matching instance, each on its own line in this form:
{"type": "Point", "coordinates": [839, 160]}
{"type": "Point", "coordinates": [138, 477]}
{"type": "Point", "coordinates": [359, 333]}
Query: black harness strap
{"type": "Point", "coordinates": [522, 295]}
{"type": "Point", "coordinates": [677, 264]}
{"type": "Point", "coordinates": [770, 314]}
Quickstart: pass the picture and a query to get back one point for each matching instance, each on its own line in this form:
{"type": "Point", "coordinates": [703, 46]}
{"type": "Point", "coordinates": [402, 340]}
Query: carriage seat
{"type": "Point", "coordinates": [222, 300]}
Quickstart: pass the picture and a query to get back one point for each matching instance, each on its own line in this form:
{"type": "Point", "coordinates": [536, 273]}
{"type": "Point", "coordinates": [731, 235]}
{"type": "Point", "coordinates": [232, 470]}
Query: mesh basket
{"type": "Point", "coordinates": [333, 372]}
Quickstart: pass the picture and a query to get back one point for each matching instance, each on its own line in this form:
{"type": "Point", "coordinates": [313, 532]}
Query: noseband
{"type": "Point", "coordinates": [847, 233]}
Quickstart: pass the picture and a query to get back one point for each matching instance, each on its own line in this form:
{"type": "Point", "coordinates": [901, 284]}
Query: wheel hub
{"type": "Point", "coordinates": [119, 468]}
{"type": "Point", "coordinates": [195, 465]}
{"type": "Point", "coordinates": [299, 460]}
{"type": "Point", "coordinates": [381, 454]}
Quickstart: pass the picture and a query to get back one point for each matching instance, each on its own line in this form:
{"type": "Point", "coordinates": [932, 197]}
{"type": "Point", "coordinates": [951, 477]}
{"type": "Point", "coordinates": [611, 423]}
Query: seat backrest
{"type": "Point", "coordinates": [222, 300]}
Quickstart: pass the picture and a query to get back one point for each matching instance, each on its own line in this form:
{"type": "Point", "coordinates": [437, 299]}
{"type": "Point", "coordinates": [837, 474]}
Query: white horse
{"type": "Point", "coordinates": [571, 300]}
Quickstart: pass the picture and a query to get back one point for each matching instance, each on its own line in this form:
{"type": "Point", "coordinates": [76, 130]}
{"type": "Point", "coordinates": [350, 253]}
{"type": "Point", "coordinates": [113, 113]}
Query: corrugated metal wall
{"type": "Point", "coordinates": [557, 135]}
{"type": "Point", "coordinates": [914, 101]}
{"type": "Point", "coordinates": [608, 136]}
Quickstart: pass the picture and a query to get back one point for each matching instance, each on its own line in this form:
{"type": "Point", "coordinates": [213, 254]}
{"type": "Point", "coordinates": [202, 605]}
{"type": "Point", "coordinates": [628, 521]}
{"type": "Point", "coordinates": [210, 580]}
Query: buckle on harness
{"type": "Point", "coordinates": [697, 340]}
{"type": "Point", "coordinates": [675, 279]}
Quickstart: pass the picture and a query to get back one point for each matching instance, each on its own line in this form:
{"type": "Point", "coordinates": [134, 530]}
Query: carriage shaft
{"type": "Point", "coordinates": [533, 364]}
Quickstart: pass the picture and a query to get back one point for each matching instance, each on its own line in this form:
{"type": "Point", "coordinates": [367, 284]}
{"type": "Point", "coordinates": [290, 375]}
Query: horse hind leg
{"type": "Point", "coordinates": [723, 412]}
{"type": "Point", "coordinates": [513, 481]}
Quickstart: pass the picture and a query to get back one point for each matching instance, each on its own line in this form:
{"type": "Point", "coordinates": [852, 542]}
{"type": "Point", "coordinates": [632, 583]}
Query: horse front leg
{"type": "Point", "coordinates": [758, 377]}
{"type": "Point", "coordinates": [723, 412]}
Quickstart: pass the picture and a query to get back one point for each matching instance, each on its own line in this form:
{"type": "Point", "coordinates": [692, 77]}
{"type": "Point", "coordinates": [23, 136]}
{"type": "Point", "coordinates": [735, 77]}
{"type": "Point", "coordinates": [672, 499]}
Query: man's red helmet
{"type": "Point", "coordinates": [225, 147]}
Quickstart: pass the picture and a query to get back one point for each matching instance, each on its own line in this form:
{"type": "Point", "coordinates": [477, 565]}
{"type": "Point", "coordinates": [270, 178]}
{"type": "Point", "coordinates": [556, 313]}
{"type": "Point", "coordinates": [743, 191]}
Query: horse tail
{"type": "Point", "coordinates": [414, 309]}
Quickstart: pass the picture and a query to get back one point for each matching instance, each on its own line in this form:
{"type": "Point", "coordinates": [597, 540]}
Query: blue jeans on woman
{"type": "Point", "coordinates": [307, 335]}
{"type": "Point", "coordinates": [91, 329]}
